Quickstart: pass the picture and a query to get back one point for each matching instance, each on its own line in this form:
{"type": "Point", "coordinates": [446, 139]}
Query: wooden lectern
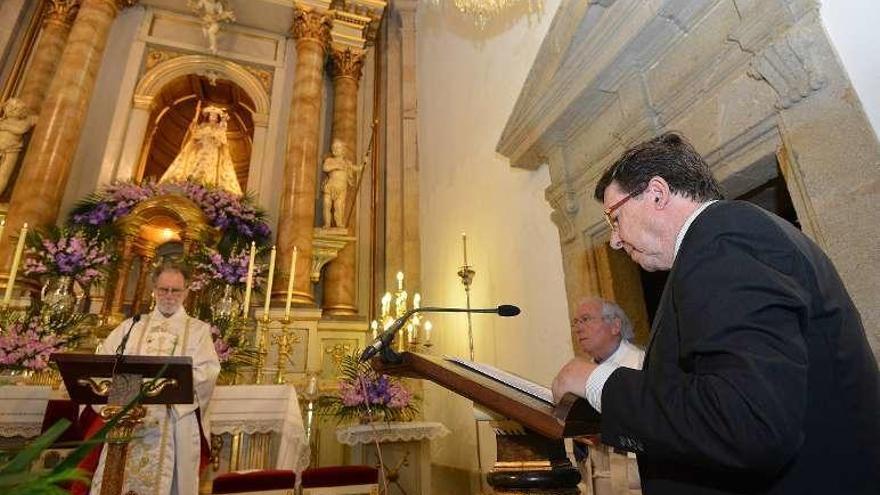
{"type": "Point", "coordinates": [531, 454]}
{"type": "Point", "coordinates": [106, 379]}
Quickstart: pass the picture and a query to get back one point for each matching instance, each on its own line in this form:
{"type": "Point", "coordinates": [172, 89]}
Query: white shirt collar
{"type": "Point", "coordinates": [687, 224]}
{"type": "Point", "coordinates": [615, 356]}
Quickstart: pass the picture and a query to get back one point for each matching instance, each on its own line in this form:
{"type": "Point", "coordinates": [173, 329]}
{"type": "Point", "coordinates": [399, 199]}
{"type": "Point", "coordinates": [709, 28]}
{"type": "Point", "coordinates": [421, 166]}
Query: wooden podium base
{"type": "Point", "coordinates": [531, 464]}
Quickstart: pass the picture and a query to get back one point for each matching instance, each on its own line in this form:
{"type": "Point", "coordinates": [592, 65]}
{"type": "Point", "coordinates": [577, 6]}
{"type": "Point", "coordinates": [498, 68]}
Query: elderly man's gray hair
{"type": "Point", "coordinates": [612, 311]}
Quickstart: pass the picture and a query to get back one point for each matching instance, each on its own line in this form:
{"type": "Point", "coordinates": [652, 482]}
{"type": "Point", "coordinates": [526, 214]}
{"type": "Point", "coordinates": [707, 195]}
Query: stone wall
{"type": "Point", "coordinates": [751, 83]}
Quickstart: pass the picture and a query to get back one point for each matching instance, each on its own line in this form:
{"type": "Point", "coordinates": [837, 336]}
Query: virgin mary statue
{"type": "Point", "coordinates": [204, 156]}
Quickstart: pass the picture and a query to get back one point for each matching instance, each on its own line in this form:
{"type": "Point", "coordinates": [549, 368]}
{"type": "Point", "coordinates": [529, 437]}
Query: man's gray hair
{"type": "Point", "coordinates": [612, 311]}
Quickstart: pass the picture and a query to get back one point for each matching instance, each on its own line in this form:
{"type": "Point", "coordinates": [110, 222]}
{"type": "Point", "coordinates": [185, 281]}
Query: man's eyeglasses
{"type": "Point", "coordinates": [612, 222]}
{"type": "Point", "coordinates": [583, 320]}
{"type": "Point", "coordinates": [169, 291]}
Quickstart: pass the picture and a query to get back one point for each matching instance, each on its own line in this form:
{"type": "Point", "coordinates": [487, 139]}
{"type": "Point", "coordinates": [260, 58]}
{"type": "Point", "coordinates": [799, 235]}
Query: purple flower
{"type": "Point", "coordinates": [69, 254]}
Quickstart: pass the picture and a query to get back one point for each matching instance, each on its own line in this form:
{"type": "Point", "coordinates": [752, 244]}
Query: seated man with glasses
{"type": "Point", "coordinates": [164, 455]}
{"type": "Point", "coordinates": [602, 330]}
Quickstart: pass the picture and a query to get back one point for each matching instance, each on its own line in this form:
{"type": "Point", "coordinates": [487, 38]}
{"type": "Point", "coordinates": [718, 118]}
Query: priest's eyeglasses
{"type": "Point", "coordinates": [169, 291]}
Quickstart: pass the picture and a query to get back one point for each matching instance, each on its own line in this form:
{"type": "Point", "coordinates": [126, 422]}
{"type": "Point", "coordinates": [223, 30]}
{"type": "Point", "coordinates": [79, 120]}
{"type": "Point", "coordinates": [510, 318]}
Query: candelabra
{"type": "Point", "coordinates": [416, 332]}
{"type": "Point", "coordinates": [285, 340]}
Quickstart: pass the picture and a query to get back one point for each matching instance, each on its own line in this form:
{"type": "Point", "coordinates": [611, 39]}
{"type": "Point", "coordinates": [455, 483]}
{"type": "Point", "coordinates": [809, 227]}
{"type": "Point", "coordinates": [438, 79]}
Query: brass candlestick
{"type": "Point", "coordinates": [466, 274]}
{"type": "Point", "coordinates": [262, 348]}
{"type": "Point", "coordinates": [285, 340]}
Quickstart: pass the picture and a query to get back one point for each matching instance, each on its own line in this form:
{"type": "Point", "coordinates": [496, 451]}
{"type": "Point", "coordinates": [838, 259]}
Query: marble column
{"type": "Point", "coordinates": [296, 218]}
{"type": "Point", "coordinates": [57, 20]}
{"type": "Point", "coordinates": [340, 282]}
{"type": "Point", "coordinates": [46, 167]}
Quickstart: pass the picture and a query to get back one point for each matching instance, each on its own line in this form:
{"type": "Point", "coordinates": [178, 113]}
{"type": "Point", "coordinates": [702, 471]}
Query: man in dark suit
{"type": "Point", "coordinates": [758, 377]}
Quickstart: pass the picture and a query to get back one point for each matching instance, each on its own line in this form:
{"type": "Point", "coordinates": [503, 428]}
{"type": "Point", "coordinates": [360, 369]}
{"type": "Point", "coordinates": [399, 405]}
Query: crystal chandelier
{"type": "Point", "coordinates": [484, 10]}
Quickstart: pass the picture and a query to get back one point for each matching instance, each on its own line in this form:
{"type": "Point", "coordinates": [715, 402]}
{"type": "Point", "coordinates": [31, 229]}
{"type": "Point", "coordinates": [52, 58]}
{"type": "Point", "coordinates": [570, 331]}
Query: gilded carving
{"type": "Point", "coordinates": [311, 25]}
{"type": "Point", "coordinates": [156, 57]}
{"type": "Point", "coordinates": [262, 75]}
{"type": "Point", "coordinates": [368, 15]}
{"type": "Point", "coordinates": [61, 11]}
{"type": "Point", "coordinates": [347, 63]}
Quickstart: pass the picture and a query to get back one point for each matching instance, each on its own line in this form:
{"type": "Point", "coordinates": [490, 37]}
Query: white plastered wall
{"type": "Point", "coordinates": [852, 27]}
{"type": "Point", "coordinates": [467, 85]}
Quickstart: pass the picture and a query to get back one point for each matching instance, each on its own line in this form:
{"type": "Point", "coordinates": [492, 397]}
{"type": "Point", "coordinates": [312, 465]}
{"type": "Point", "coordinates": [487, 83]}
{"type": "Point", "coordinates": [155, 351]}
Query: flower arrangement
{"type": "Point", "coordinates": [236, 216]}
{"type": "Point", "coordinates": [211, 269]}
{"type": "Point", "coordinates": [364, 393]}
{"type": "Point", "coordinates": [28, 338]}
{"type": "Point", "coordinates": [63, 253]}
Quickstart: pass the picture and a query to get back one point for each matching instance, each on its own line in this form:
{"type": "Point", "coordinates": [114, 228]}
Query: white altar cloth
{"type": "Point", "coordinates": [234, 409]}
{"type": "Point", "coordinates": [263, 409]}
{"type": "Point", "coordinates": [391, 432]}
{"type": "Point", "coordinates": [22, 408]}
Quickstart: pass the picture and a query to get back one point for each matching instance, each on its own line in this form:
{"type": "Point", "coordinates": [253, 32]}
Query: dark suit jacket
{"type": "Point", "coordinates": [758, 376]}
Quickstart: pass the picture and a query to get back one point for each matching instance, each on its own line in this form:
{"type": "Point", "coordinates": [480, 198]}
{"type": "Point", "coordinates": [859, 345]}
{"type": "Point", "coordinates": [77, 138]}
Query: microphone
{"type": "Point", "coordinates": [385, 339]}
{"type": "Point", "coordinates": [120, 349]}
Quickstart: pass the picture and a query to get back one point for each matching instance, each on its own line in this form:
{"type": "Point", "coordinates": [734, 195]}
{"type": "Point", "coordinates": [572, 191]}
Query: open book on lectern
{"type": "Point", "coordinates": [506, 394]}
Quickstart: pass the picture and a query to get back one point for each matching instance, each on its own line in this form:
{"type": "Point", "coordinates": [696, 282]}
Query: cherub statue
{"type": "Point", "coordinates": [15, 121]}
{"type": "Point", "coordinates": [212, 13]}
{"type": "Point", "coordinates": [341, 174]}
{"type": "Point", "coordinates": [204, 155]}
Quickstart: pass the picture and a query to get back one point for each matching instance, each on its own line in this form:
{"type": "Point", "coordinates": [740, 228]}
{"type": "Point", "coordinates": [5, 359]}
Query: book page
{"type": "Point", "coordinates": [539, 392]}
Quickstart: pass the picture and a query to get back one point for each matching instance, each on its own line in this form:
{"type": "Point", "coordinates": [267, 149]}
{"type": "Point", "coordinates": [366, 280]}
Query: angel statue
{"type": "Point", "coordinates": [15, 121]}
{"type": "Point", "coordinates": [341, 174]}
{"type": "Point", "coordinates": [204, 155]}
{"type": "Point", "coordinates": [212, 13]}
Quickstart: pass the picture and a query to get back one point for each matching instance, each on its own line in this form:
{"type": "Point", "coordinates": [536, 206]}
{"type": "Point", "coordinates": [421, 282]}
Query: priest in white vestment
{"type": "Point", "coordinates": [164, 456]}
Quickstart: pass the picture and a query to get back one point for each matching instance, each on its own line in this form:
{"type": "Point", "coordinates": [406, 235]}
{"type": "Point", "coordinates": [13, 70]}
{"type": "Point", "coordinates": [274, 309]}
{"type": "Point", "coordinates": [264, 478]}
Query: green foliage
{"type": "Point", "coordinates": [15, 474]}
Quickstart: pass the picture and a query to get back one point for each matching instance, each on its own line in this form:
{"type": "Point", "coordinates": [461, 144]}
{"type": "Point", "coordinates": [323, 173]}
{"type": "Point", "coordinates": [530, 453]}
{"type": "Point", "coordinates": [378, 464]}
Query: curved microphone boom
{"type": "Point", "coordinates": [120, 349]}
{"type": "Point", "coordinates": [384, 340]}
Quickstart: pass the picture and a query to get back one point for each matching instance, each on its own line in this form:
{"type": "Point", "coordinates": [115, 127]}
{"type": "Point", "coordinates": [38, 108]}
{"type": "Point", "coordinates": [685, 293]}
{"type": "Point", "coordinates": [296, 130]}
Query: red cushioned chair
{"type": "Point", "coordinates": [334, 480]}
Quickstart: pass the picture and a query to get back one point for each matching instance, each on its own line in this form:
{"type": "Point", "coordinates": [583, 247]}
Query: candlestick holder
{"type": "Point", "coordinates": [466, 274]}
{"type": "Point", "coordinates": [262, 345]}
{"type": "Point", "coordinates": [284, 340]}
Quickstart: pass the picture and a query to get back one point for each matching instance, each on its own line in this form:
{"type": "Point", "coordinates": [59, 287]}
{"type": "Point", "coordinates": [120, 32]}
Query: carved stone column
{"type": "Point", "coordinates": [296, 218]}
{"type": "Point", "coordinates": [46, 167]}
{"type": "Point", "coordinates": [57, 21]}
{"type": "Point", "coordinates": [340, 282]}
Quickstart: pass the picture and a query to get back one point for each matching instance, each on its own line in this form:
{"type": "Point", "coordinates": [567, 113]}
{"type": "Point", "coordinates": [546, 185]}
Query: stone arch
{"type": "Point", "coordinates": [156, 78]}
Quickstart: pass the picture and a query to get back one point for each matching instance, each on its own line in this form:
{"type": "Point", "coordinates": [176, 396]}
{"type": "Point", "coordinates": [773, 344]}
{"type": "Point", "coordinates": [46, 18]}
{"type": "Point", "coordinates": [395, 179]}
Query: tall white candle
{"type": "Point", "coordinates": [291, 275]}
{"type": "Point", "coordinates": [399, 280]}
{"type": "Point", "coordinates": [16, 260]}
{"type": "Point", "coordinates": [269, 284]}
{"type": "Point", "coordinates": [249, 281]}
